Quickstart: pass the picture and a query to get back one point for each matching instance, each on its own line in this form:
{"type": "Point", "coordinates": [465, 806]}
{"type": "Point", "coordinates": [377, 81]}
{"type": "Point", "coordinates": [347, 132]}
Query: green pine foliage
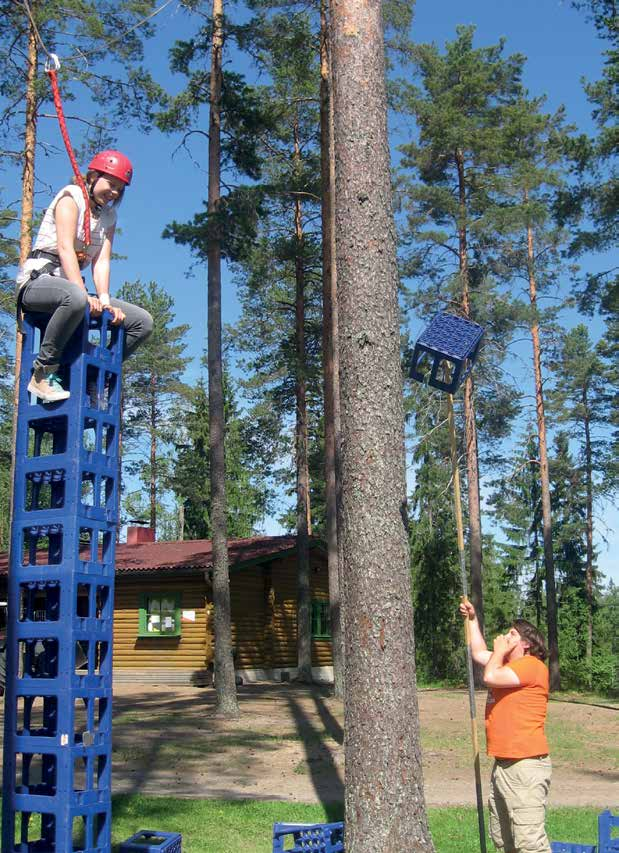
{"type": "Point", "coordinates": [247, 492]}
{"type": "Point", "coordinates": [90, 38]}
{"type": "Point", "coordinates": [268, 271]}
{"type": "Point", "coordinates": [153, 395]}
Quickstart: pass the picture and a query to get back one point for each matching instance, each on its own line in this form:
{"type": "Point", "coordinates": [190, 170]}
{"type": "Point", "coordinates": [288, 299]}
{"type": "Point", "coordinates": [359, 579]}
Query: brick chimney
{"type": "Point", "coordinates": [140, 535]}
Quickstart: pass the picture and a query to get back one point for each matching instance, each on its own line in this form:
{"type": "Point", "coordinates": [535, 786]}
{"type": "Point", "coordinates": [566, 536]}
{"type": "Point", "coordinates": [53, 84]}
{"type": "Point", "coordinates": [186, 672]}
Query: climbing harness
{"type": "Point", "coordinates": [52, 65]}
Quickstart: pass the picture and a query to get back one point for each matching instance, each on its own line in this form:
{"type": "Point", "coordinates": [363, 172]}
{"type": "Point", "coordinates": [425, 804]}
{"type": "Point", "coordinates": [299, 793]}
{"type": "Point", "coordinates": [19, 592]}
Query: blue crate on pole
{"type": "Point", "coordinates": [608, 821]}
{"type": "Point", "coordinates": [58, 705]}
{"type": "Point", "coordinates": [152, 841]}
{"type": "Point", "coordinates": [446, 351]}
{"type": "Point", "coordinates": [318, 837]}
{"type": "Point", "coordinates": [566, 847]}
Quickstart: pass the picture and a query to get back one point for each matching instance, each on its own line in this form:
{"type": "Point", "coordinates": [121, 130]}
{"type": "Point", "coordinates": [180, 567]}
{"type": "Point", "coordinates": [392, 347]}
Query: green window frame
{"type": "Point", "coordinates": [321, 620]}
{"type": "Point", "coordinates": [160, 614]}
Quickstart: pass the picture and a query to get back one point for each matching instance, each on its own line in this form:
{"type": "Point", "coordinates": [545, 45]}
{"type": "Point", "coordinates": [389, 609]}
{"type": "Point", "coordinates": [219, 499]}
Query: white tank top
{"type": "Point", "coordinates": [47, 238]}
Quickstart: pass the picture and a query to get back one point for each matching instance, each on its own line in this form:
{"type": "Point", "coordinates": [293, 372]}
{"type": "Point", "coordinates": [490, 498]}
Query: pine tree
{"type": "Point", "coordinates": [152, 392]}
{"type": "Point", "coordinates": [434, 555]}
{"type": "Point", "coordinates": [385, 809]}
{"type": "Point", "coordinates": [581, 399]}
{"type": "Point", "coordinates": [594, 161]}
{"type": "Point", "coordinates": [330, 357]}
{"type": "Point", "coordinates": [248, 494]}
{"type": "Point", "coordinates": [517, 503]}
{"type": "Point", "coordinates": [101, 32]}
{"type": "Point", "coordinates": [231, 151]}
{"type": "Point", "coordinates": [445, 186]}
{"type": "Point", "coordinates": [530, 250]}
{"type": "Point", "coordinates": [279, 271]}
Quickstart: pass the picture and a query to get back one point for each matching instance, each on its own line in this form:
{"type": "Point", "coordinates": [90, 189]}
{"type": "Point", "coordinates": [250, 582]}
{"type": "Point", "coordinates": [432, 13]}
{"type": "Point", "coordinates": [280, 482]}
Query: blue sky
{"type": "Point", "coordinates": [561, 48]}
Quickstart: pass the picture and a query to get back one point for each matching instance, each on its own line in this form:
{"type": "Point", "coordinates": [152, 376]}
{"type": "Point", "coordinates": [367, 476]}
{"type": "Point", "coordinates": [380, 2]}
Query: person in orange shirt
{"type": "Point", "coordinates": [517, 678]}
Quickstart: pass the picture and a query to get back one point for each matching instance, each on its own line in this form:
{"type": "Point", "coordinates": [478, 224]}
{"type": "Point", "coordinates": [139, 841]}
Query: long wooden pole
{"type": "Point", "coordinates": [467, 631]}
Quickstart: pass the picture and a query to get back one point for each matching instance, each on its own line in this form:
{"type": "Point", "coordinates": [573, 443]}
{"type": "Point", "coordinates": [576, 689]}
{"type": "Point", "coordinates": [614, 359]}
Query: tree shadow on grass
{"type": "Point", "coordinates": [325, 775]}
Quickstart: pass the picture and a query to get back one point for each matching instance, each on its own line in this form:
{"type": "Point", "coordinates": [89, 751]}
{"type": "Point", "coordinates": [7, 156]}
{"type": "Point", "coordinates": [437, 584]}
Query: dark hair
{"type": "Point", "coordinates": [535, 638]}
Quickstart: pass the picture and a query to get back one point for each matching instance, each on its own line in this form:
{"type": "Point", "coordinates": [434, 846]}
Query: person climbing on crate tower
{"type": "Point", "coordinates": [51, 282]}
{"type": "Point", "coordinates": [518, 682]}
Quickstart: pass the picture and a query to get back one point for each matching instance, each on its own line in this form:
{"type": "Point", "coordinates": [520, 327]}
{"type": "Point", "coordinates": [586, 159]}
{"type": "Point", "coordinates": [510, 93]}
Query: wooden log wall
{"type": "Point", "coordinates": [136, 653]}
{"type": "Point", "coordinates": [264, 621]}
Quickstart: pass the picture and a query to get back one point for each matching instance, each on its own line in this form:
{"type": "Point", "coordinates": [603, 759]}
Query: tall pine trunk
{"type": "Point", "coordinates": [225, 685]}
{"type": "Point", "coordinates": [25, 228]}
{"type": "Point", "coordinates": [551, 594]}
{"type": "Point", "coordinates": [385, 804]}
{"type": "Point", "coordinates": [304, 595]}
{"type": "Point", "coordinates": [30, 138]}
{"type": "Point", "coordinates": [153, 452]}
{"type": "Point", "coordinates": [589, 565]}
{"type": "Point", "coordinates": [470, 426]}
{"type": "Point", "coordinates": [330, 359]}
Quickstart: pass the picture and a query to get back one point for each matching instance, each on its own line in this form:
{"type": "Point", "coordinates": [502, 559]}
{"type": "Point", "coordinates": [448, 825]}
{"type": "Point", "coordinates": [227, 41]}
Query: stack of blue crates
{"type": "Point", "coordinates": [318, 838]}
{"type": "Point", "coordinates": [58, 711]}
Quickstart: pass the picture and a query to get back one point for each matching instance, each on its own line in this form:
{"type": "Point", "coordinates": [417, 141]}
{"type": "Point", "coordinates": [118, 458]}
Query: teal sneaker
{"type": "Point", "coordinates": [47, 388]}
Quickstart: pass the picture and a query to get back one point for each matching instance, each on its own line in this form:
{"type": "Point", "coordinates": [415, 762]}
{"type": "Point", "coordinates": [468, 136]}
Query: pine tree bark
{"type": "Point", "coordinates": [385, 805]}
{"type": "Point", "coordinates": [153, 453]}
{"type": "Point", "coordinates": [470, 426]}
{"type": "Point", "coordinates": [330, 355]}
{"type": "Point", "coordinates": [551, 593]}
{"type": "Point", "coordinates": [225, 684]}
{"type": "Point", "coordinates": [25, 228]}
{"type": "Point", "coordinates": [589, 511]}
{"type": "Point", "coordinates": [304, 595]}
{"type": "Point", "coordinates": [30, 138]}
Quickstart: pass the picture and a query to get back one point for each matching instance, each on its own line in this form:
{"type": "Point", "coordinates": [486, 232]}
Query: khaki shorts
{"type": "Point", "coordinates": [517, 802]}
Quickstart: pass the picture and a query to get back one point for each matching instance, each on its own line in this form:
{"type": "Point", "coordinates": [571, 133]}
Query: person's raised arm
{"type": "Point", "coordinates": [496, 673]}
{"type": "Point", "coordinates": [479, 649]}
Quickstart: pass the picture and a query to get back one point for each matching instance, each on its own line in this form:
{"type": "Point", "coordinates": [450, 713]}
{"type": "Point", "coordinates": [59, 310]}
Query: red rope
{"type": "Point", "coordinates": [67, 142]}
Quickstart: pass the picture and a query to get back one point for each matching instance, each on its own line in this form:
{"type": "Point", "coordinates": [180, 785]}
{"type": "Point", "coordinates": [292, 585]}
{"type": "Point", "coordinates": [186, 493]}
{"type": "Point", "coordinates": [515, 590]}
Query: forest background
{"type": "Point", "coordinates": [528, 165]}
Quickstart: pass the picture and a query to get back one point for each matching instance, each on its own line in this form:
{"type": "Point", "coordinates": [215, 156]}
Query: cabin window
{"type": "Point", "coordinates": [321, 622]}
{"type": "Point", "coordinates": [160, 614]}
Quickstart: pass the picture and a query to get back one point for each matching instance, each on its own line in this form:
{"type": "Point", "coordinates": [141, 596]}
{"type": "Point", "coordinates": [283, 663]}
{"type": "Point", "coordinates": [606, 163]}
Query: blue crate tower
{"type": "Point", "coordinates": [446, 351]}
{"type": "Point", "coordinates": [58, 706]}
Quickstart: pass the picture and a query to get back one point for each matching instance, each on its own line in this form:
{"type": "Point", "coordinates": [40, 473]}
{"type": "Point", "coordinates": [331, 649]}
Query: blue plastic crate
{"type": "Point", "coordinates": [152, 841]}
{"type": "Point", "coordinates": [566, 847]}
{"type": "Point", "coordinates": [446, 351]}
{"type": "Point", "coordinates": [606, 822]}
{"type": "Point", "coordinates": [308, 838]}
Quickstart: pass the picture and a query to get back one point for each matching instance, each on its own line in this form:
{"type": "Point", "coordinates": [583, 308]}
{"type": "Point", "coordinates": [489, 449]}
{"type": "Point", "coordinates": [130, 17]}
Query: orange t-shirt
{"type": "Point", "coordinates": [515, 716]}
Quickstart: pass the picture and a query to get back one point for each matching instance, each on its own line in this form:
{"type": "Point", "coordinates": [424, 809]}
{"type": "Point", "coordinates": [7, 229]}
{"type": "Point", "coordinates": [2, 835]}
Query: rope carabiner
{"type": "Point", "coordinates": [52, 65]}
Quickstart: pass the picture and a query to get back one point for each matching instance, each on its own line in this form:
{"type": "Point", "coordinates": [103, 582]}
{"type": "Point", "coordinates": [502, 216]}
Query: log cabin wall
{"type": "Point", "coordinates": [264, 621]}
{"type": "Point", "coordinates": [264, 613]}
{"type": "Point", "coordinates": [132, 652]}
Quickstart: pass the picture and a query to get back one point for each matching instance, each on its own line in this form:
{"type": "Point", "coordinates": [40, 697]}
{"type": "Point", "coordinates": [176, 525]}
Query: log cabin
{"type": "Point", "coordinates": [163, 609]}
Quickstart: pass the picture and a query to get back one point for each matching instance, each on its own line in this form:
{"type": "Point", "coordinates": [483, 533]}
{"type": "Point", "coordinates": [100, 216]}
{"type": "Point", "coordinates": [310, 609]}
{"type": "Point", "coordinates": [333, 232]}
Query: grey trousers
{"type": "Point", "coordinates": [66, 302]}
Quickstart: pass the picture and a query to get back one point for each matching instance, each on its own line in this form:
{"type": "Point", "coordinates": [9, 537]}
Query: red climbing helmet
{"type": "Point", "coordinates": [113, 163]}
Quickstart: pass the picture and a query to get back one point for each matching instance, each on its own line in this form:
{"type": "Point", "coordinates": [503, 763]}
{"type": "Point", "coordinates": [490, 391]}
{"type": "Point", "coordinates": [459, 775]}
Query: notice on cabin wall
{"type": "Point", "coordinates": [188, 616]}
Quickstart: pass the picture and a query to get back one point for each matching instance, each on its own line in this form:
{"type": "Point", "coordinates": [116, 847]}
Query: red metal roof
{"type": "Point", "coordinates": [195, 555]}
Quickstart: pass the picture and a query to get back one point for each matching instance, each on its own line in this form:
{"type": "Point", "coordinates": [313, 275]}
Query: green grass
{"type": "Point", "coordinates": [245, 826]}
{"type": "Point", "coordinates": [566, 746]}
